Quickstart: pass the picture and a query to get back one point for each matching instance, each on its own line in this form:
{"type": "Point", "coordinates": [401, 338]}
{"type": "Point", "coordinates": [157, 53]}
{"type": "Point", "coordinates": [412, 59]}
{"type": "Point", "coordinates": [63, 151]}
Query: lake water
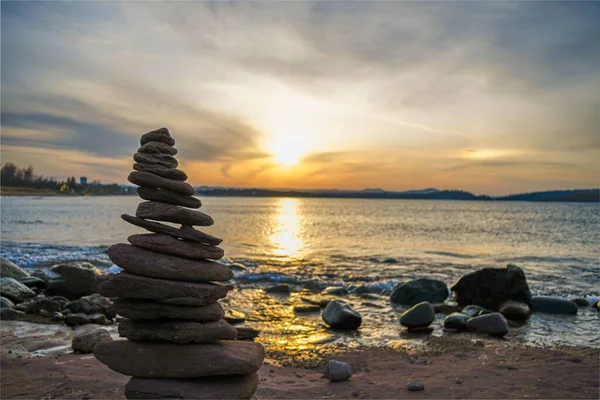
{"type": "Point", "coordinates": [339, 241]}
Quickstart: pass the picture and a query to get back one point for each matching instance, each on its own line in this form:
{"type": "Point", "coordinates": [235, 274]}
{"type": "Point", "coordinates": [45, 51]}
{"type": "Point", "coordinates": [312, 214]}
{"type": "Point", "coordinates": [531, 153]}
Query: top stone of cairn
{"type": "Point", "coordinates": [159, 135]}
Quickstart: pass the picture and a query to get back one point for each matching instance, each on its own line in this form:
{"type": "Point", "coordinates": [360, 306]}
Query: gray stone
{"type": "Point", "coordinates": [45, 306]}
{"type": "Point", "coordinates": [148, 179]}
{"type": "Point", "coordinates": [446, 308]}
{"type": "Point", "coordinates": [6, 303]}
{"type": "Point", "coordinates": [33, 283]}
{"type": "Point", "coordinates": [493, 324]}
{"type": "Point", "coordinates": [419, 290]}
{"type": "Point", "coordinates": [580, 301]}
{"type": "Point", "coordinates": [157, 265]}
{"type": "Point", "coordinates": [157, 148]}
{"type": "Point", "coordinates": [168, 244]}
{"type": "Point", "coordinates": [172, 361]}
{"type": "Point", "coordinates": [159, 135]}
{"type": "Point", "coordinates": [216, 387]}
{"type": "Point", "coordinates": [415, 386]}
{"type": "Point", "coordinates": [82, 319]}
{"type": "Point", "coordinates": [170, 213]}
{"type": "Point", "coordinates": [307, 309]}
{"type": "Point", "coordinates": [140, 287]}
{"type": "Point", "coordinates": [182, 332]}
{"type": "Point", "coordinates": [183, 233]}
{"type": "Point", "coordinates": [474, 311]}
{"type": "Point", "coordinates": [160, 159]}
{"type": "Point", "coordinates": [339, 315]}
{"type": "Point", "coordinates": [335, 291]}
{"type": "Point", "coordinates": [490, 287]}
{"type": "Point", "coordinates": [10, 314]}
{"type": "Point", "coordinates": [515, 310]}
{"type": "Point", "coordinates": [337, 371]}
{"type": "Point", "coordinates": [93, 304]}
{"type": "Point", "coordinates": [283, 288]}
{"type": "Point", "coordinates": [456, 321]}
{"type": "Point", "coordinates": [246, 333]}
{"type": "Point", "coordinates": [86, 341]}
{"type": "Point", "coordinates": [161, 170]}
{"type": "Point", "coordinates": [76, 279]}
{"type": "Point", "coordinates": [149, 310]}
{"type": "Point", "coordinates": [14, 290]}
{"type": "Point", "coordinates": [553, 305]}
{"type": "Point", "coordinates": [168, 196]}
{"type": "Point", "coordinates": [419, 316]}
{"type": "Point", "coordinates": [8, 269]}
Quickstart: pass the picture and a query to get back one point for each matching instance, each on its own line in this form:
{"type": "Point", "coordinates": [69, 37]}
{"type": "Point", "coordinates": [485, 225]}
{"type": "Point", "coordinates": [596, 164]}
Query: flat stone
{"type": "Point", "coordinates": [283, 288]}
{"type": "Point", "coordinates": [173, 361]}
{"type": "Point", "coordinates": [148, 179]}
{"type": "Point", "coordinates": [168, 244]}
{"type": "Point", "coordinates": [157, 265]}
{"type": "Point", "coordinates": [419, 316]}
{"type": "Point", "coordinates": [159, 135]}
{"type": "Point", "coordinates": [182, 332]}
{"type": "Point", "coordinates": [515, 310]}
{"type": "Point", "coordinates": [170, 213]}
{"type": "Point", "coordinates": [493, 324]}
{"type": "Point", "coordinates": [168, 196]}
{"type": "Point", "coordinates": [160, 170]}
{"type": "Point", "coordinates": [155, 147]}
{"type": "Point", "coordinates": [217, 387]}
{"type": "Point", "coordinates": [183, 301]}
{"type": "Point", "coordinates": [149, 310]}
{"type": "Point", "coordinates": [161, 159]}
{"type": "Point", "coordinates": [140, 287]}
{"type": "Point", "coordinates": [553, 305]}
{"type": "Point", "coordinates": [184, 232]}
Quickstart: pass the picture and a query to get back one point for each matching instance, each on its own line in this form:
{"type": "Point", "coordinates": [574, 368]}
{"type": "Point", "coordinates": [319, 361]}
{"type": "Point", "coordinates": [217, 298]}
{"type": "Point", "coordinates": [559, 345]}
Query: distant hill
{"type": "Point", "coordinates": [580, 196]}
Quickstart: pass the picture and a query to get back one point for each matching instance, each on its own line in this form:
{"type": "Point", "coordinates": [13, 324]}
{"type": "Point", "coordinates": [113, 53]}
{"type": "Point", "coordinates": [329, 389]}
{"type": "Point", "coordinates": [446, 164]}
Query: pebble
{"type": "Point", "coordinates": [415, 386]}
{"type": "Point", "coordinates": [337, 371]}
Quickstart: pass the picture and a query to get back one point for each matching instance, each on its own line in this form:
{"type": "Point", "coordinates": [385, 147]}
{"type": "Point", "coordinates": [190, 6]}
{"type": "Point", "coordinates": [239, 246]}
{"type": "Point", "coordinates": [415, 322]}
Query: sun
{"type": "Point", "coordinates": [287, 151]}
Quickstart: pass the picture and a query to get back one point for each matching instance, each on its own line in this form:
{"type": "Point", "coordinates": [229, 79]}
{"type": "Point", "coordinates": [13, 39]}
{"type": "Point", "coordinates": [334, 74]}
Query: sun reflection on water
{"type": "Point", "coordinates": [285, 236]}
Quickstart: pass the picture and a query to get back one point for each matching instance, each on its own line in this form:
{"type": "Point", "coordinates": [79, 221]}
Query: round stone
{"type": "Point", "coordinates": [419, 316]}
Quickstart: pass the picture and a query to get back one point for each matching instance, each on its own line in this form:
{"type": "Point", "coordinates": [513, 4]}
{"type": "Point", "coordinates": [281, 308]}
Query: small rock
{"type": "Point", "coordinates": [307, 309]}
{"type": "Point", "coordinates": [14, 290]}
{"type": "Point", "coordinates": [82, 319]}
{"type": "Point", "coordinates": [318, 302]}
{"type": "Point", "coordinates": [85, 342]}
{"type": "Point", "coordinates": [10, 314]}
{"type": "Point", "coordinates": [8, 269]}
{"type": "Point", "coordinates": [57, 316]}
{"type": "Point", "coordinates": [339, 315]}
{"type": "Point", "coordinates": [92, 304]}
{"type": "Point", "coordinates": [335, 291]}
{"type": "Point", "coordinates": [360, 289]}
{"type": "Point", "coordinates": [456, 321]}
{"type": "Point", "coordinates": [283, 288]}
{"type": "Point", "coordinates": [337, 371]}
{"type": "Point", "coordinates": [419, 316]}
{"type": "Point", "coordinates": [6, 303]}
{"type": "Point", "coordinates": [415, 386]}
{"type": "Point", "coordinates": [234, 316]}
{"type": "Point", "coordinates": [580, 301]}
{"type": "Point", "coordinates": [33, 282]}
{"type": "Point", "coordinates": [418, 291]}
{"type": "Point", "coordinates": [474, 311]}
{"type": "Point", "coordinates": [493, 324]}
{"type": "Point", "coordinates": [553, 305]}
{"type": "Point", "coordinates": [515, 310]}
{"type": "Point", "coordinates": [45, 306]}
{"type": "Point", "coordinates": [446, 308]}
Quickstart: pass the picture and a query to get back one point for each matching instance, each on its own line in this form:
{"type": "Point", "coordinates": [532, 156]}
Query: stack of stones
{"type": "Point", "coordinates": [179, 345]}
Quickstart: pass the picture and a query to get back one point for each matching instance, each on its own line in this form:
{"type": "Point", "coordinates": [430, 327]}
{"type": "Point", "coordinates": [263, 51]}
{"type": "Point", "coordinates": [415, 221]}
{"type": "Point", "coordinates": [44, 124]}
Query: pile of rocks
{"type": "Point", "coordinates": [179, 345]}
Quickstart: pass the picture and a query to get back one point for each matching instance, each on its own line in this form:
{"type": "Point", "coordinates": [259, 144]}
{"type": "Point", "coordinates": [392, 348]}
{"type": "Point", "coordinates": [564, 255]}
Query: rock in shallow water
{"type": "Point", "coordinates": [553, 305]}
{"type": "Point", "coordinates": [76, 279]}
{"type": "Point", "coordinates": [456, 321]}
{"type": "Point", "coordinates": [515, 310]}
{"type": "Point", "coordinates": [182, 233]}
{"type": "Point", "coordinates": [150, 310]}
{"type": "Point", "coordinates": [148, 179]}
{"type": "Point", "coordinates": [339, 315]}
{"type": "Point", "coordinates": [580, 301]}
{"type": "Point", "coordinates": [493, 324]}
{"type": "Point", "coordinates": [337, 371]}
{"type": "Point", "coordinates": [419, 290]}
{"type": "Point", "coordinates": [8, 269]}
{"type": "Point", "coordinates": [335, 291]}
{"type": "Point", "coordinates": [215, 387]}
{"type": "Point", "coordinates": [86, 341]}
{"type": "Point", "coordinates": [283, 288]}
{"type": "Point", "coordinates": [172, 361]}
{"type": "Point", "coordinates": [168, 196]}
{"type": "Point", "coordinates": [419, 316]}
{"type": "Point", "coordinates": [167, 244]}
{"type": "Point", "coordinates": [158, 265]}
{"type": "Point", "coordinates": [182, 332]}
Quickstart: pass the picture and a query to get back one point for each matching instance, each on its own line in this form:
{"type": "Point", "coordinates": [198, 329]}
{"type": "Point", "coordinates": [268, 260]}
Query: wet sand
{"type": "Point", "coordinates": [448, 368]}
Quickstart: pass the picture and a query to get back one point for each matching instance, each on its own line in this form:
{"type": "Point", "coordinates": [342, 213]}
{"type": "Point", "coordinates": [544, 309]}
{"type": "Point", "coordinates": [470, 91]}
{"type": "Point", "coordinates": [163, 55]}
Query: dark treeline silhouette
{"type": "Point", "coordinates": [15, 176]}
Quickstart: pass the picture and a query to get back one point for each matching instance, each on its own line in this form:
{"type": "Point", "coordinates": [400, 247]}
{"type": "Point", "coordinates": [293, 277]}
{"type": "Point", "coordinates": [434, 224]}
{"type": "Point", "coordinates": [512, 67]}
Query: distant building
{"type": "Point", "coordinates": [83, 180]}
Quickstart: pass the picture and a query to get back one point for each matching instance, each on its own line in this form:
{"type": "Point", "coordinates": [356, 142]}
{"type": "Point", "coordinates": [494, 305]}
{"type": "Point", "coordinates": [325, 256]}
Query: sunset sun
{"type": "Point", "coordinates": [287, 151]}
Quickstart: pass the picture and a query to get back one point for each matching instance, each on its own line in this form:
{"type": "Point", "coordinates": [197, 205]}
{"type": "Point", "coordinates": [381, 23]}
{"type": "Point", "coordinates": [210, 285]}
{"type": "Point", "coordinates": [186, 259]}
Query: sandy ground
{"type": "Point", "coordinates": [448, 370]}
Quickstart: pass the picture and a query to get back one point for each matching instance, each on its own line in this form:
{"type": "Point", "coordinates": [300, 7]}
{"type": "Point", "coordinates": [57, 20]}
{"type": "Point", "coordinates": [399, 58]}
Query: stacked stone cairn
{"type": "Point", "coordinates": [178, 344]}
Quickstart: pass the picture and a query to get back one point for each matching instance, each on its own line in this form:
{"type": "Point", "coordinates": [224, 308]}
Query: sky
{"type": "Point", "coordinates": [490, 97]}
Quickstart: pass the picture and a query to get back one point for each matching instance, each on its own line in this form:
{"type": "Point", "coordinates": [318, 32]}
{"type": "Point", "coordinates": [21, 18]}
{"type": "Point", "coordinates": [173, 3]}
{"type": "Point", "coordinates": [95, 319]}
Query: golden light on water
{"type": "Point", "coordinates": [285, 237]}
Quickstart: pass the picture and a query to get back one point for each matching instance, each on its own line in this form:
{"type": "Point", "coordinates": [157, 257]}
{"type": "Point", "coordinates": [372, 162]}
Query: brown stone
{"type": "Point", "coordinates": [157, 265]}
{"type": "Point", "coordinates": [140, 287]}
{"type": "Point", "coordinates": [158, 135]}
{"type": "Point", "coordinates": [182, 332]}
{"type": "Point", "coordinates": [151, 180]}
{"type": "Point", "coordinates": [168, 196]}
{"type": "Point", "coordinates": [149, 309]}
{"type": "Point", "coordinates": [173, 361]}
{"type": "Point", "coordinates": [157, 148]}
{"type": "Point", "coordinates": [183, 232]}
{"type": "Point", "coordinates": [162, 159]}
{"type": "Point", "coordinates": [170, 245]}
{"type": "Point", "coordinates": [214, 387]}
{"type": "Point", "coordinates": [161, 170]}
{"type": "Point", "coordinates": [167, 212]}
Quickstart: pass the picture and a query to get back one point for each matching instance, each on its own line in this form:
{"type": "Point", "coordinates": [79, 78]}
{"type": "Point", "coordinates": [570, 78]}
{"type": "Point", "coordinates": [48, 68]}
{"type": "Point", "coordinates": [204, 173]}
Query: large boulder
{"type": "Point", "coordinates": [419, 290]}
{"type": "Point", "coordinates": [14, 290]}
{"type": "Point", "coordinates": [86, 341]}
{"type": "Point", "coordinates": [490, 287]}
{"type": "Point", "coordinates": [339, 315]}
{"type": "Point", "coordinates": [553, 305]}
{"type": "Point", "coordinates": [93, 304]}
{"type": "Point", "coordinates": [75, 280]}
{"type": "Point", "coordinates": [493, 324]}
{"type": "Point", "coordinates": [420, 316]}
{"type": "Point", "coordinates": [8, 269]}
